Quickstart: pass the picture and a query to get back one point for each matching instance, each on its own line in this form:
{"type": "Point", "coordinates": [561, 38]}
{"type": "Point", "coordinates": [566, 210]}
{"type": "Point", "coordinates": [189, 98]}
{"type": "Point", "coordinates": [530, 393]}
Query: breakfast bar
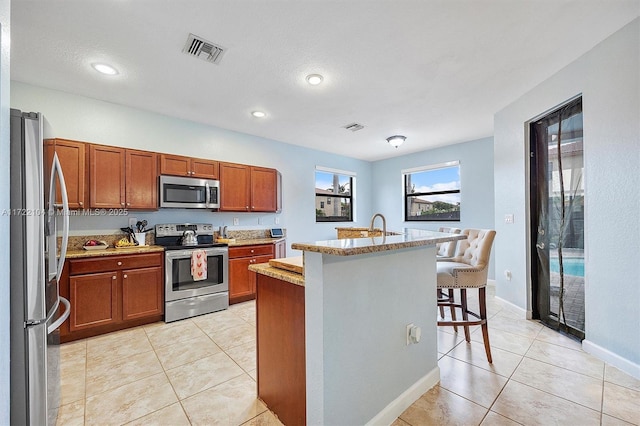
{"type": "Point", "coordinates": [343, 325]}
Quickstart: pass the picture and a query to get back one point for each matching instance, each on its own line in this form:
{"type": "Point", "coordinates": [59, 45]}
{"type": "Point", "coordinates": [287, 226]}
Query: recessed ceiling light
{"type": "Point", "coordinates": [259, 114]}
{"type": "Point", "coordinates": [105, 69]}
{"type": "Point", "coordinates": [314, 79]}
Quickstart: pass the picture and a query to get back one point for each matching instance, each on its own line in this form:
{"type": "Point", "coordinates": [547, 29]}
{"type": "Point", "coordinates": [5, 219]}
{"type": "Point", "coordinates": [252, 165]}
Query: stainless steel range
{"type": "Point", "coordinates": [187, 293]}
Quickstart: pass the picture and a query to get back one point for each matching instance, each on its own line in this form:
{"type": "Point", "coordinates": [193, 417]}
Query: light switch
{"type": "Point", "coordinates": [508, 218]}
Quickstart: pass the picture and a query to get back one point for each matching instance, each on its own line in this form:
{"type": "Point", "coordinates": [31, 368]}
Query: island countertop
{"type": "Point", "coordinates": [407, 238]}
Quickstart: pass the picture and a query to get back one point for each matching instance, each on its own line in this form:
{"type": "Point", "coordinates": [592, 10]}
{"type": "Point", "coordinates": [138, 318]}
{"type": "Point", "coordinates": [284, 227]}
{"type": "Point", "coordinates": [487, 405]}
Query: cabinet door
{"type": "Point", "coordinates": [234, 187]}
{"type": "Point", "coordinates": [72, 159]}
{"type": "Point", "coordinates": [263, 189]}
{"type": "Point", "coordinates": [175, 165]}
{"type": "Point", "coordinates": [142, 293]}
{"type": "Point", "coordinates": [206, 169]}
{"type": "Point", "coordinates": [107, 176]}
{"type": "Point", "coordinates": [141, 180]}
{"type": "Point", "coordinates": [241, 280]}
{"type": "Point", "coordinates": [94, 300]}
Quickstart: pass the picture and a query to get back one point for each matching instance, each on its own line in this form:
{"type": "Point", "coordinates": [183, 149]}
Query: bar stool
{"type": "Point", "coordinates": [467, 269]}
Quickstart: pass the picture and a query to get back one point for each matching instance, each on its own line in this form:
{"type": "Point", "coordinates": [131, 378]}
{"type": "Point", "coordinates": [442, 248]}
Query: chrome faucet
{"type": "Point", "coordinates": [384, 223]}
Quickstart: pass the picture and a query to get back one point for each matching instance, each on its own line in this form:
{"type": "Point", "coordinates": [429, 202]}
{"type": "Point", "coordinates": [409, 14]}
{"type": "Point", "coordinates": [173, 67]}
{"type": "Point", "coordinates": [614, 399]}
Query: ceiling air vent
{"type": "Point", "coordinates": [203, 49]}
{"type": "Point", "coordinates": [354, 127]}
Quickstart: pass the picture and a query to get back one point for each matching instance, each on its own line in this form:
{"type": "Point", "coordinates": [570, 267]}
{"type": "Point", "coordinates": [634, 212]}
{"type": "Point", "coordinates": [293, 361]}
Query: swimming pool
{"type": "Point", "coordinates": [572, 266]}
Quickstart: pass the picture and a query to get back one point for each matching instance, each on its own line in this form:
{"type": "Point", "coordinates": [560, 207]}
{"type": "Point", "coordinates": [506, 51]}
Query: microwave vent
{"type": "Point", "coordinates": [203, 49]}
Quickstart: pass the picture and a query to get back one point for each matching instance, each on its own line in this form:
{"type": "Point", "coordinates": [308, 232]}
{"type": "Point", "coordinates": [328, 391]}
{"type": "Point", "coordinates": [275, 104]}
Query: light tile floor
{"type": "Point", "coordinates": [201, 371]}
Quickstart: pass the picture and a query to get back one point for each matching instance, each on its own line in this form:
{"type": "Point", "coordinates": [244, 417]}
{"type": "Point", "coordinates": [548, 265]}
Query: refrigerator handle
{"type": "Point", "coordinates": [63, 317]}
{"type": "Point", "coordinates": [56, 168]}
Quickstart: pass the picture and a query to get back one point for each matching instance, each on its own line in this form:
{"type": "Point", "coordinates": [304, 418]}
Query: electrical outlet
{"type": "Point", "coordinates": [408, 333]}
{"type": "Point", "coordinates": [507, 274]}
{"type": "Point", "coordinates": [277, 220]}
{"type": "Point", "coordinates": [259, 221]}
{"type": "Point", "coordinates": [508, 218]}
{"type": "Point", "coordinates": [236, 221]}
{"type": "Point", "coordinates": [132, 222]}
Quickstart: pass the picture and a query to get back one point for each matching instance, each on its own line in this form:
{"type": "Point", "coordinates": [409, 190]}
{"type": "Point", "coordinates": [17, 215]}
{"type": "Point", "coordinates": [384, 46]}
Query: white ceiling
{"type": "Point", "coordinates": [433, 70]}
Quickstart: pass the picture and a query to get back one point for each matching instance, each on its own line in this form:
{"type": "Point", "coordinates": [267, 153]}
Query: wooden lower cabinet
{"type": "Point", "coordinates": [110, 293]}
{"type": "Point", "coordinates": [141, 294]}
{"type": "Point", "coordinates": [94, 300]}
{"type": "Point", "coordinates": [242, 283]}
{"type": "Point", "coordinates": [281, 358]}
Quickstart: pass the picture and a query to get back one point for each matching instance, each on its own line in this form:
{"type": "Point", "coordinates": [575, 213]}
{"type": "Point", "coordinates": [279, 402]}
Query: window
{"type": "Point", "coordinates": [432, 193]}
{"type": "Point", "coordinates": [334, 195]}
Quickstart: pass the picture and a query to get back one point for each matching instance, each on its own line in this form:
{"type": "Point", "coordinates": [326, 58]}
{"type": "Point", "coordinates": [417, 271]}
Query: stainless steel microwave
{"type": "Point", "coordinates": [190, 193]}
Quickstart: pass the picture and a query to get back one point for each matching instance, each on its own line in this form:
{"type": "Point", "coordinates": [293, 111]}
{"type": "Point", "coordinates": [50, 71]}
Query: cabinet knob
{"type": "Point", "coordinates": [80, 203]}
{"type": "Point", "coordinates": [113, 277]}
{"type": "Point", "coordinates": [124, 276]}
{"type": "Point", "coordinates": [119, 263]}
{"type": "Point", "coordinates": [251, 250]}
{"type": "Point", "coordinates": [122, 204]}
{"type": "Point", "coordinates": [128, 204]}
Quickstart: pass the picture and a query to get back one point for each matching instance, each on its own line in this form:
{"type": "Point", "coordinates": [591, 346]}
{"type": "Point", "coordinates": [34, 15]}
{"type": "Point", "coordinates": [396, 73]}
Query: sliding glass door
{"type": "Point", "coordinates": [557, 218]}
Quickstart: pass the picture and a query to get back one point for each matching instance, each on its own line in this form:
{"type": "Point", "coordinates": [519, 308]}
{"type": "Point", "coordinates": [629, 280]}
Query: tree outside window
{"type": "Point", "coordinates": [336, 189]}
{"type": "Point", "coordinates": [433, 193]}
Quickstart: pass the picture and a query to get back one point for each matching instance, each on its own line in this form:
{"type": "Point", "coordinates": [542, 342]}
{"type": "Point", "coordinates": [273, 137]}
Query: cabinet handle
{"type": "Point", "coordinates": [119, 263]}
{"type": "Point", "coordinates": [113, 277]}
{"type": "Point", "coordinates": [125, 276]}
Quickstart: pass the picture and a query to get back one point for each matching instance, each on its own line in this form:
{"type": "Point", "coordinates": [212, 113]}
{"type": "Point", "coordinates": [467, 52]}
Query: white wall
{"type": "Point", "coordinates": [608, 77]}
{"type": "Point", "coordinates": [476, 186]}
{"type": "Point", "coordinates": [5, 19]}
{"type": "Point", "coordinates": [85, 119]}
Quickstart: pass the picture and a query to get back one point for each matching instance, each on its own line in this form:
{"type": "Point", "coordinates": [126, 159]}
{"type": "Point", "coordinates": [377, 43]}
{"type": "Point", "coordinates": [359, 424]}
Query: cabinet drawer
{"type": "Point", "coordinates": [114, 263]}
{"type": "Point", "coordinates": [263, 249]}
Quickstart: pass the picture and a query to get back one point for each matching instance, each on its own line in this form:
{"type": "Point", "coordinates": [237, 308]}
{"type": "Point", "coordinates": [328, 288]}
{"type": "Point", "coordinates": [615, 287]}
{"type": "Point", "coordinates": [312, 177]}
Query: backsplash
{"type": "Point", "coordinates": [76, 242]}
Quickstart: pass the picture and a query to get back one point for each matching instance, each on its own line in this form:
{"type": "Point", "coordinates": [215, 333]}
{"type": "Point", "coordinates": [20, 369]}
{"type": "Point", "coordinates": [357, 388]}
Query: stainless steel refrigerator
{"type": "Point", "coordinates": [37, 310]}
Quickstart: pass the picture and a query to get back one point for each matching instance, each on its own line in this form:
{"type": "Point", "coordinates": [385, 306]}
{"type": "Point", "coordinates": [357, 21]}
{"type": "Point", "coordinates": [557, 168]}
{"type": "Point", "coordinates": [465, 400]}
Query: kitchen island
{"type": "Point", "coordinates": [357, 297]}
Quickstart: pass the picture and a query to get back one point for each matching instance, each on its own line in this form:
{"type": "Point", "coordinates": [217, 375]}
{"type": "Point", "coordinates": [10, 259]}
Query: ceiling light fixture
{"type": "Point", "coordinates": [396, 141]}
{"type": "Point", "coordinates": [314, 79]}
{"type": "Point", "coordinates": [104, 69]}
{"type": "Point", "coordinates": [258, 114]}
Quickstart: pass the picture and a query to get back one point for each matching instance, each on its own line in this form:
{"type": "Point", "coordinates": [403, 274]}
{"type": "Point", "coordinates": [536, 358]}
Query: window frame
{"type": "Point", "coordinates": [351, 197]}
{"type": "Point", "coordinates": [406, 196]}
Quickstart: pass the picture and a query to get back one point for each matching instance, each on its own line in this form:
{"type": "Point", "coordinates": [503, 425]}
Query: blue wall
{"type": "Point", "coordinates": [608, 78]}
{"type": "Point", "coordinates": [80, 118]}
{"type": "Point", "coordinates": [476, 185]}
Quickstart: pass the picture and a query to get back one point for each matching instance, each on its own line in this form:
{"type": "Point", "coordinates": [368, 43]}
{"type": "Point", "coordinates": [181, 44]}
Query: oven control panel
{"type": "Point", "coordinates": [178, 229]}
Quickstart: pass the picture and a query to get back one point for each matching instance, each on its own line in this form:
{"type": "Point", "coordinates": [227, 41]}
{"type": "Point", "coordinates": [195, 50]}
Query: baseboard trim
{"type": "Point", "coordinates": [390, 413]}
{"type": "Point", "coordinates": [611, 358]}
{"type": "Point", "coordinates": [515, 307]}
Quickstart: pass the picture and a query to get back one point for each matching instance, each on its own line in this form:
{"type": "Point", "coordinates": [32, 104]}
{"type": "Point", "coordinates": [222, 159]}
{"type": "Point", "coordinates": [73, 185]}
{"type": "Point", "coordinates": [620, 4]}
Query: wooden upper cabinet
{"type": "Point", "coordinates": [72, 157]}
{"type": "Point", "coordinates": [122, 178]}
{"type": "Point", "coordinates": [247, 188]}
{"type": "Point", "coordinates": [201, 168]}
{"type": "Point", "coordinates": [234, 187]}
{"type": "Point", "coordinates": [263, 189]}
{"type": "Point", "coordinates": [141, 179]}
{"type": "Point", "coordinates": [177, 165]}
{"type": "Point", "coordinates": [107, 176]}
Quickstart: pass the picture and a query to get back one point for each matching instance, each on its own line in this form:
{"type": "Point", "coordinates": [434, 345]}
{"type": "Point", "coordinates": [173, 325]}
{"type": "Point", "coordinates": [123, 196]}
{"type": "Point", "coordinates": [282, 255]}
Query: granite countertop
{"type": "Point", "coordinates": [277, 273]}
{"type": "Point", "coordinates": [255, 241]}
{"type": "Point", "coordinates": [76, 254]}
{"type": "Point", "coordinates": [355, 246]}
